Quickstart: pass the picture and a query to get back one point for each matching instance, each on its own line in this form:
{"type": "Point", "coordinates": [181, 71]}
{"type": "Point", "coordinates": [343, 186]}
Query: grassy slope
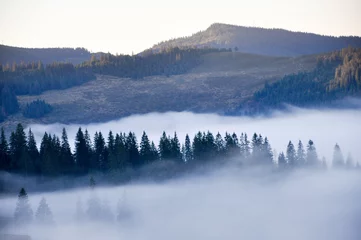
{"type": "Point", "coordinates": [219, 84]}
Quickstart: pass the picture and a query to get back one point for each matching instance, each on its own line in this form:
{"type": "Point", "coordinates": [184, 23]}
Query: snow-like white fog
{"type": "Point", "coordinates": [324, 127]}
{"type": "Point", "coordinates": [226, 204]}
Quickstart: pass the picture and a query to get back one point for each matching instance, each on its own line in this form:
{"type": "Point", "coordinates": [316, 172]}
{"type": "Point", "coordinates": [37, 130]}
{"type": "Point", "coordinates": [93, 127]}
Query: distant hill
{"type": "Point", "coordinates": [10, 54]}
{"type": "Point", "coordinates": [273, 42]}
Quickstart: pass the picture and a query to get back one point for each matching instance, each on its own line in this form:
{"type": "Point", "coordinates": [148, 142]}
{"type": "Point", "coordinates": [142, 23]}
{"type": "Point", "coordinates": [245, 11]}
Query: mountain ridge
{"type": "Point", "coordinates": [263, 41]}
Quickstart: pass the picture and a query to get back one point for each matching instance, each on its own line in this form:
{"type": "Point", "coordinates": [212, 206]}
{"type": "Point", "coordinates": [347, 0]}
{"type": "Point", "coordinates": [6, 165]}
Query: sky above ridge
{"type": "Point", "coordinates": [132, 26]}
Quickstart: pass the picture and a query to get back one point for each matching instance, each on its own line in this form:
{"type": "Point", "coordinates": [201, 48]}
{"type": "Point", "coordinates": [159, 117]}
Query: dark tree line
{"type": "Point", "coordinates": [336, 75]}
{"type": "Point", "coordinates": [170, 61]}
{"type": "Point", "coordinates": [37, 109]}
{"type": "Point", "coordinates": [118, 152]}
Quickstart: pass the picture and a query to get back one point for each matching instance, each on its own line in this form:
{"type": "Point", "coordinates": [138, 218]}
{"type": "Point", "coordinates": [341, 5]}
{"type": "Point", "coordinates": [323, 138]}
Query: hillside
{"type": "Point", "coordinates": [210, 87]}
{"type": "Point", "coordinates": [9, 55]}
{"type": "Point", "coordinates": [273, 42]}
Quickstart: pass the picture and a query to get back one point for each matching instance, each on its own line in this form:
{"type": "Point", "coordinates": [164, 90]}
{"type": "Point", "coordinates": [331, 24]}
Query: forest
{"type": "Point", "coordinates": [337, 75]}
{"type": "Point", "coordinates": [116, 154]}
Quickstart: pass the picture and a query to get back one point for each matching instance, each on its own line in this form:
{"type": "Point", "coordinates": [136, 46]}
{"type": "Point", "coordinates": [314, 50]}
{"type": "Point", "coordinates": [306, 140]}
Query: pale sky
{"type": "Point", "coordinates": [134, 25]}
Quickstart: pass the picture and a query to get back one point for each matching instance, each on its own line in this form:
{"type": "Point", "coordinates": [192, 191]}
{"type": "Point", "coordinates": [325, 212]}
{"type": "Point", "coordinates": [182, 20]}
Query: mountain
{"type": "Point", "coordinates": [273, 42]}
{"type": "Point", "coordinates": [9, 55]}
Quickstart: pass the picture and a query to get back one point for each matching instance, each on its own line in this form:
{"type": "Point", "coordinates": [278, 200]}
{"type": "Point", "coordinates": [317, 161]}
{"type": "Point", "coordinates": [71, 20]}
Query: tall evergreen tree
{"type": "Point", "coordinates": [311, 157]}
{"type": "Point", "coordinates": [282, 162]}
{"type": "Point", "coordinates": [33, 153]}
{"type": "Point", "coordinates": [337, 161]}
{"type": "Point", "coordinates": [267, 152]}
{"type": "Point", "coordinates": [301, 156]}
{"type": "Point", "coordinates": [43, 213]}
{"type": "Point", "coordinates": [18, 151]}
{"type": "Point", "coordinates": [187, 150]}
{"type": "Point", "coordinates": [349, 162]}
{"type": "Point", "coordinates": [146, 154]}
{"type": "Point", "coordinates": [291, 155]}
{"type": "Point", "coordinates": [81, 152]}
{"type": "Point", "coordinates": [175, 149]}
{"type": "Point", "coordinates": [132, 149]}
{"type": "Point", "coordinates": [66, 158]}
{"type": "Point", "coordinates": [165, 147]}
{"type": "Point", "coordinates": [4, 152]}
{"type": "Point", "coordinates": [23, 212]}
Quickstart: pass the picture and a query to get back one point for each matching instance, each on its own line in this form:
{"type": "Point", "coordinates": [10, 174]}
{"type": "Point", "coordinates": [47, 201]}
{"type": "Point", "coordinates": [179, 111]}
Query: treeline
{"type": "Point", "coordinates": [336, 75]}
{"type": "Point", "coordinates": [169, 61]}
{"type": "Point", "coordinates": [117, 153]}
{"type": "Point", "coordinates": [34, 78]}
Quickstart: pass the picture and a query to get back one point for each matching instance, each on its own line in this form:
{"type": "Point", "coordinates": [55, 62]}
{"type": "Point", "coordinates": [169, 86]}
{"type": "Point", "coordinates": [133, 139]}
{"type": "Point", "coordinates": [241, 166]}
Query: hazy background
{"type": "Point", "coordinates": [132, 26]}
{"type": "Point", "coordinates": [324, 127]}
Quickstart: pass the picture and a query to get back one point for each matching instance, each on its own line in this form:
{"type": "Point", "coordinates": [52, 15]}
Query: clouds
{"type": "Point", "coordinates": [324, 127]}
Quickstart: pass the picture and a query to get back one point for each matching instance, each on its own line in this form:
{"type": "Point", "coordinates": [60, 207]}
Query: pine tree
{"type": "Point", "coordinates": [349, 162]}
{"type": "Point", "coordinates": [154, 151]}
{"type": "Point", "coordinates": [81, 153]}
{"type": "Point", "coordinates": [4, 152]}
{"type": "Point", "coordinates": [165, 147]}
{"type": "Point", "coordinates": [99, 153]}
{"type": "Point", "coordinates": [18, 150]}
{"type": "Point", "coordinates": [66, 158]}
{"type": "Point", "coordinates": [33, 153]}
{"type": "Point", "coordinates": [175, 149]}
{"type": "Point", "coordinates": [188, 156]}
{"type": "Point", "coordinates": [301, 156]}
{"type": "Point", "coordinates": [23, 212]}
{"type": "Point", "coordinates": [43, 214]}
{"type": "Point", "coordinates": [291, 155]}
{"type": "Point", "coordinates": [146, 154]}
{"type": "Point", "coordinates": [311, 157]}
{"type": "Point", "coordinates": [132, 149]}
{"type": "Point", "coordinates": [282, 163]}
{"type": "Point", "coordinates": [337, 161]}
{"type": "Point", "coordinates": [198, 147]}
{"type": "Point", "coordinates": [267, 152]}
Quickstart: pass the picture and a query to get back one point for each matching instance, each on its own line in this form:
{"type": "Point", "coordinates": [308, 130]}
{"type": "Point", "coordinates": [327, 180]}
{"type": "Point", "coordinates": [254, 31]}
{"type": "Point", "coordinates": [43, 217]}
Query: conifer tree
{"type": "Point", "coordinates": [155, 153]}
{"type": "Point", "coordinates": [220, 145]}
{"type": "Point", "coordinates": [43, 214]}
{"type": "Point", "coordinates": [291, 155]}
{"type": "Point", "coordinates": [267, 152]}
{"type": "Point", "coordinates": [99, 152]}
{"type": "Point", "coordinates": [33, 153]}
{"type": "Point", "coordinates": [282, 162]}
{"type": "Point", "coordinates": [349, 162]}
{"type": "Point", "coordinates": [66, 158]}
{"type": "Point", "coordinates": [146, 154]}
{"type": "Point", "coordinates": [311, 157]}
{"type": "Point", "coordinates": [4, 152]}
{"type": "Point", "coordinates": [301, 156]}
{"type": "Point", "coordinates": [81, 152]}
{"type": "Point", "coordinates": [132, 149]}
{"type": "Point", "coordinates": [188, 156]}
{"type": "Point", "coordinates": [175, 149]}
{"type": "Point", "coordinates": [18, 150]}
{"type": "Point", "coordinates": [337, 161]}
{"type": "Point", "coordinates": [23, 212]}
{"type": "Point", "coordinates": [165, 147]}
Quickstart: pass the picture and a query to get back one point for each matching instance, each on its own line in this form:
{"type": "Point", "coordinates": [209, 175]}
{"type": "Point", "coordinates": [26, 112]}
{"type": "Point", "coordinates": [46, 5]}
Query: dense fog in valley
{"type": "Point", "coordinates": [226, 202]}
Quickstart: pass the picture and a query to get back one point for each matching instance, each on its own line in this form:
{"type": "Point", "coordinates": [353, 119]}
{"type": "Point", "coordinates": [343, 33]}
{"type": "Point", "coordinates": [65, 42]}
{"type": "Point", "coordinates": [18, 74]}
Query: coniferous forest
{"type": "Point", "coordinates": [121, 157]}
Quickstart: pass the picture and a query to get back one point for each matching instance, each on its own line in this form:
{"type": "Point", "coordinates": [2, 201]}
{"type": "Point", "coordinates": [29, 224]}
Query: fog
{"type": "Point", "coordinates": [229, 203]}
{"type": "Point", "coordinates": [324, 127]}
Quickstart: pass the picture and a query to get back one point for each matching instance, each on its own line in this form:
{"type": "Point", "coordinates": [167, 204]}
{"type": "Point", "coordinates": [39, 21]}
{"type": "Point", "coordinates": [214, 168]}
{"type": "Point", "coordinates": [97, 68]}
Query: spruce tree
{"type": "Point", "coordinates": [349, 162]}
{"type": "Point", "coordinates": [66, 158]}
{"type": "Point", "coordinates": [23, 212]}
{"type": "Point", "coordinates": [145, 153]}
{"type": "Point", "coordinates": [4, 152]}
{"type": "Point", "coordinates": [18, 151]}
{"type": "Point", "coordinates": [187, 150]}
{"type": "Point", "coordinates": [81, 153]}
{"type": "Point", "coordinates": [43, 214]}
{"type": "Point", "coordinates": [267, 152]}
{"type": "Point", "coordinates": [175, 149]}
{"type": "Point", "coordinates": [100, 152]}
{"type": "Point", "coordinates": [282, 162]}
{"type": "Point", "coordinates": [291, 155]}
{"type": "Point", "coordinates": [33, 153]}
{"type": "Point", "coordinates": [301, 156]}
{"type": "Point", "coordinates": [165, 147]}
{"type": "Point", "coordinates": [337, 161]}
{"type": "Point", "coordinates": [311, 156]}
{"type": "Point", "coordinates": [132, 149]}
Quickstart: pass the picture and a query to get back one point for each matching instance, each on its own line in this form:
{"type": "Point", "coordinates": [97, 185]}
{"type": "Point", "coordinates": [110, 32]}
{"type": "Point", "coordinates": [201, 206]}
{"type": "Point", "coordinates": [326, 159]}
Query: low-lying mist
{"type": "Point", "coordinates": [229, 203]}
{"type": "Point", "coordinates": [324, 127]}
